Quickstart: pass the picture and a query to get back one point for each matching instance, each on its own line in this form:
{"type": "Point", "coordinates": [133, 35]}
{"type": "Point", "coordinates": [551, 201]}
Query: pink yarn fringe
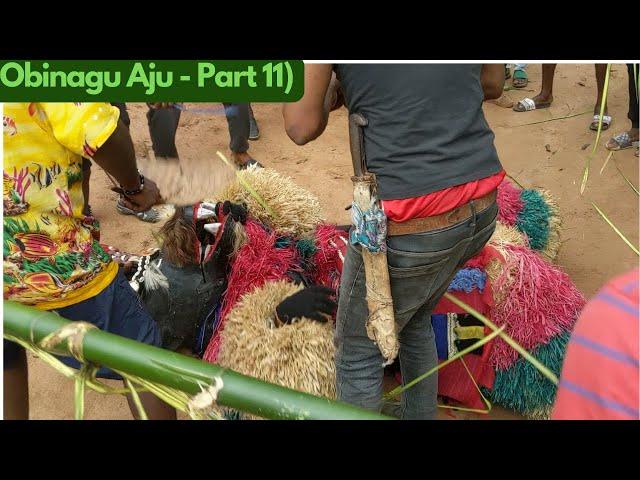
{"type": "Point", "coordinates": [509, 203]}
{"type": "Point", "coordinates": [541, 302]}
{"type": "Point", "coordinates": [257, 262]}
{"type": "Point", "coordinates": [327, 264]}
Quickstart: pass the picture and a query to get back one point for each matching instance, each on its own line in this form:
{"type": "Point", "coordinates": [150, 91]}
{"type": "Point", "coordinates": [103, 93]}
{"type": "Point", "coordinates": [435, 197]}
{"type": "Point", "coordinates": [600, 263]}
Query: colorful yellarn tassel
{"type": "Point", "coordinates": [468, 279]}
{"type": "Point", "coordinates": [535, 213]}
{"type": "Point", "coordinates": [257, 262]}
{"type": "Point", "coordinates": [534, 299]}
{"type": "Point", "coordinates": [533, 219]}
{"type": "Point", "coordinates": [509, 203]}
{"type": "Point", "coordinates": [523, 388]}
{"type": "Point", "coordinates": [290, 209]}
{"type": "Point", "coordinates": [298, 356]}
{"type": "Point", "coordinates": [327, 262]}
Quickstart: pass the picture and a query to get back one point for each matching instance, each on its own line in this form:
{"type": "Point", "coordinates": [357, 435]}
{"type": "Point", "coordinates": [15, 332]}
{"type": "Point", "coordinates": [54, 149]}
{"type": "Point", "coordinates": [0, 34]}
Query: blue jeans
{"type": "Point", "coordinates": [119, 310]}
{"type": "Point", "coordinates": [421, 267]}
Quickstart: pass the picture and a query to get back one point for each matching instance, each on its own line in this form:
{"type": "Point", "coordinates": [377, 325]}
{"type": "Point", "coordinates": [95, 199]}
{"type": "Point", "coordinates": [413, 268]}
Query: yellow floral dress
{"type": "Point", "coordinates": [51, 253]}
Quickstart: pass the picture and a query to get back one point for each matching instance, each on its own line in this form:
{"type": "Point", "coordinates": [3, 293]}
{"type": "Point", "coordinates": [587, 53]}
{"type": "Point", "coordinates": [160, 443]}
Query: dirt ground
{"type": "Point", "coordinates": [548, 154]}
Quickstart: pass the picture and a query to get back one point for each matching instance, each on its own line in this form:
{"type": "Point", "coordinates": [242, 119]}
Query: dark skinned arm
{"type": "Point", "coordinates": [492, 80]}
{"type": "Point", "coordinates": [117, 157]}
{"type": "Point", "coordinates": [306, 119]}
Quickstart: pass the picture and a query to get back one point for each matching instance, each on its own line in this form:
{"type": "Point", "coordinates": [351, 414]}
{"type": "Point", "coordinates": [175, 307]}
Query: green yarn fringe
{"type": "Point", "coordinates": [533, 219]}
{"type": "Point", "coordinates": [523, 388]}
{"type": "Point", "coordinates": [283, 242]}
{"type": "Point", "coordinates": [305, 246]}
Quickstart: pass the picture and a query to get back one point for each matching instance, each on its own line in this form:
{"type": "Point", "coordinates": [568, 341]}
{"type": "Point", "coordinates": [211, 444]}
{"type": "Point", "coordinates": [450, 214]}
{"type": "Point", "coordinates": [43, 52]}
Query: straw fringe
{"type": "Point", "coordinates": [555, 224]}
{"type": "Point", "coordinates": [298, 356]}
{"type": "Point", "coordinates": [295, 211]}
{"type": "Point", "coordinates": [502, 236]}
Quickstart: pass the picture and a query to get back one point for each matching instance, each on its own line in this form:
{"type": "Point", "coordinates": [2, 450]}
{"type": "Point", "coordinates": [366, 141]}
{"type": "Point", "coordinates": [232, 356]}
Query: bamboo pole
{"type": "Point", "coordinates": [181, 372]}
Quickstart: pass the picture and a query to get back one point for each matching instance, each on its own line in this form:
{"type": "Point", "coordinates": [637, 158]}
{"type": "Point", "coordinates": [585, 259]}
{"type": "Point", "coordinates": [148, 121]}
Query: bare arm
{"type": "Point", "coordinates": [117, 157]}
{"type": "Point", "coordinates": [492, 79]}
{"type": "Point", "coordinates": [306, 119]}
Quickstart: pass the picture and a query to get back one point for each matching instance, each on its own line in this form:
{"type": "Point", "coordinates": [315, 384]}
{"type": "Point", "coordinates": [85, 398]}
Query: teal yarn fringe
{"type": "Point", "coordinates": [306, 247]}
{"type": "Point", "coordinates": [533, 219]}
{"type": "Point", "coordinates": [523, 388]}
{"type": "Point", "coordinates": [231, 414]}
{"type": "Point", "coordinates": [283, 242]}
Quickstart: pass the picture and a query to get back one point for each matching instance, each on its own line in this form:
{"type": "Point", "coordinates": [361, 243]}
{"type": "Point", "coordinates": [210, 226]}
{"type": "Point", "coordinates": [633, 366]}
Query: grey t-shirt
{"type": "Point", "coordinates": [426, 127]}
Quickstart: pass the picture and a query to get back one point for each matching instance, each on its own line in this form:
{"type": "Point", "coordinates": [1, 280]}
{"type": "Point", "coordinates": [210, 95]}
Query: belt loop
{"type": "Point", "coordinates": [474, 216]}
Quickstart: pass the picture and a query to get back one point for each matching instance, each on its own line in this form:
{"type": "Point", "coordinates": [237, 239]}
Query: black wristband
{"type": "Point", "coordinates": [136, 191]}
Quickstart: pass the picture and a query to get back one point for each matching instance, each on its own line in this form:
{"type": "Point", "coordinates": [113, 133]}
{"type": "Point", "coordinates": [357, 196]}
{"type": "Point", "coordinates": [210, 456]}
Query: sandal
{"type": "Point", "coordinates": [622, 141]}
{"type": "Point", "coordinates": [606, 122]}
{"type": "Point", "coordinates": [527, 105]}
{"type": "Point", "coordinates": [151, 215]}
{"type": "Point", "coordinates": [520, 79]}
{"type": "Point", "coordinates": [250, 162]}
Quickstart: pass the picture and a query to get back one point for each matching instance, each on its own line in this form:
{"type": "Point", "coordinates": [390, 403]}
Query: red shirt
{"type": "Point", "coordinates": [442, 201]}
{"type": "Point", "coordinates": [600, 372]}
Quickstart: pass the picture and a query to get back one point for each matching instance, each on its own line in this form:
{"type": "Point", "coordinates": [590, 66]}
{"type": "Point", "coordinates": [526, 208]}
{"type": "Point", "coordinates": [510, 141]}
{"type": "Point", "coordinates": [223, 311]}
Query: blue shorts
{"type": "Point", "coordinates": [117, 309]}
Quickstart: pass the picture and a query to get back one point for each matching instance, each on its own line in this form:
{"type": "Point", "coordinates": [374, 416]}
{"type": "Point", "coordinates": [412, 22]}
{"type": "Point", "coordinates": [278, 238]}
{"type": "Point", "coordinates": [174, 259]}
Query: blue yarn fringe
{"type": "Point", "coordinates": [468, 279]}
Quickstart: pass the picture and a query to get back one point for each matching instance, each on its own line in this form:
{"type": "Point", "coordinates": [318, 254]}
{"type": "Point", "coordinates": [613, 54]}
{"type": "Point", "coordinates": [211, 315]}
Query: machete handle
{"type": "Point", "coordinates": [356, 142]}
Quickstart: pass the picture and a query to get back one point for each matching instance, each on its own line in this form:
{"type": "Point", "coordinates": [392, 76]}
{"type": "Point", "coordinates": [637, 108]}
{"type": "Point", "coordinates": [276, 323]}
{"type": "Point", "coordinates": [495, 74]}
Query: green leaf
{"type": "Point", "coordinates": [615, 229]}
{"type": "Point", "coordinates": [605, 91]}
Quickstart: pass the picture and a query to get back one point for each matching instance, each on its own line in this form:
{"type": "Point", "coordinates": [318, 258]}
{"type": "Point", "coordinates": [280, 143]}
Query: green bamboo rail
{"type": "Point", "coordinates": [181, 372]}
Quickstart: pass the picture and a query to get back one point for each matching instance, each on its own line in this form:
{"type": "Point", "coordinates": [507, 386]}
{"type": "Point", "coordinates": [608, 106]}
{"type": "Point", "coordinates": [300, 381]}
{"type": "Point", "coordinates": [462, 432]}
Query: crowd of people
{"type": "Point", "coordinates": [437, 171]}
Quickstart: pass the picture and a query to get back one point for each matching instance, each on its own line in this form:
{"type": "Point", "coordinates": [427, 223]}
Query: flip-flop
{"type": "Point", "coordinates": [527, 105]}
{"type": "Point", "coordinates": [606, 122]}
{"type": "Point", "coordinates": [250, 163]}
{"type": "Point", "coordinates": [522, 77]}
{"type": "Point", "coordinates": [151, 215]}
{"type": "Point", "coordinates": [621, 141]}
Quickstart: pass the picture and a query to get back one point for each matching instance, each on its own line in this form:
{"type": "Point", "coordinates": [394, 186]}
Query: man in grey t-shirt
{"type": "Point", "coordinates": [437, 171]}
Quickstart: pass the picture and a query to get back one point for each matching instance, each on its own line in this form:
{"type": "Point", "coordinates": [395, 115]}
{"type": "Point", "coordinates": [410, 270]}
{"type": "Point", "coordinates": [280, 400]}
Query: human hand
{"type": "Point", "coordinates": [143, 201]}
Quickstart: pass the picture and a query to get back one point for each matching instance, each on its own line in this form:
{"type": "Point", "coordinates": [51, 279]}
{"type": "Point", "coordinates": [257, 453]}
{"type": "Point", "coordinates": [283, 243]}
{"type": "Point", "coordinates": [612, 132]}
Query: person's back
{"type": "Point", "coordinates": [426, 129]}
{"type": "Point", "coordinates": [600, 373]}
